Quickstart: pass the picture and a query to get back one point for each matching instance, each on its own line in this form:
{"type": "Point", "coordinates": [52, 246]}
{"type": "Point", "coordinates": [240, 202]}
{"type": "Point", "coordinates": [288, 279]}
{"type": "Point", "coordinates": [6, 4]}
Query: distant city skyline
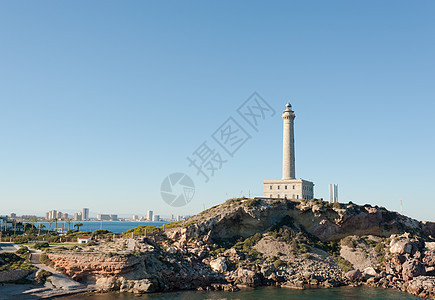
{"type": "Point", "coordinates": [96, 113]}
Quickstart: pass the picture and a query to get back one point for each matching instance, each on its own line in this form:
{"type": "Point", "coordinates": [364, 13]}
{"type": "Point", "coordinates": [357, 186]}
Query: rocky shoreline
{"type": "Point", "coordinates": [261, 242]}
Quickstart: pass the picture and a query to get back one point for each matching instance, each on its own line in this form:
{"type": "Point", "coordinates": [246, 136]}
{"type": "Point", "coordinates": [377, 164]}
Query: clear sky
{"type": "Point", "coordinates": [101, 100]}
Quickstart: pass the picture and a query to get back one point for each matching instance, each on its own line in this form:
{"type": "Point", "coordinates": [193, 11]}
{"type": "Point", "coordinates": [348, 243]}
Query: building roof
{"type": "Point", "coordinates": [86, 237]}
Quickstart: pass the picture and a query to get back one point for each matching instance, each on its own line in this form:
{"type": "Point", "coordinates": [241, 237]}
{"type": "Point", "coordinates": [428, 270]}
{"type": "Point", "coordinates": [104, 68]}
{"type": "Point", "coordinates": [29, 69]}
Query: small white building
{"type": "Point", "coordinates": [84, 239]}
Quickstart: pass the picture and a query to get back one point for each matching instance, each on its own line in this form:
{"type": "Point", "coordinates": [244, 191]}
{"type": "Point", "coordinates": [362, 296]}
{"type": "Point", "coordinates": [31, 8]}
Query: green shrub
{"type": "Point", "coordinates": [247, 245]}
{"type": "Point", "coordinates": [349, 242]}
{"type": "Point", "coordinates": [41, 245]}
{"type": "Point", "coordinates": [278, 263]}
{"type": "Point", "coordinates": [46, 260]}
{"type": "Point", "coordinates": [337, 205]}
{"type": "Point", "coordinates": [100, 231]}
{"type": "Point", "coordinates": [23, 251]}
{"type": "Point", "coordinates": [344, 264]}
{"type": "Point", "coordinates": [11, 261]}
{"type": "Point", "coordinates": [252, 202]}
{"type": "Point", "coordinates": [140, 230]}
{"type": "Point", "coordinates": [379, 248]}
{"type": "Point", "coordinates": [172, 225]}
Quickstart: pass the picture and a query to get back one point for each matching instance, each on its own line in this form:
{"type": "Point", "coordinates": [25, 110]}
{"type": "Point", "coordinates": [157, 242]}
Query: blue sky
{"type": "Point", "coordinates": [101, 100]}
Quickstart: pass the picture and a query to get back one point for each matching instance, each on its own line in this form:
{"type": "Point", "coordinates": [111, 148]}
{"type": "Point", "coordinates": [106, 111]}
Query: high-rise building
{"type": "Point", "coordinates": [288, 187]}
{"type": "Point", "coordinates": [333, 193]}
{"type": "Point", "coordinates": [106, 217]}
{"type": "Point", "coordinates": [65, 216]}
{"type": "Point", "coordinates": [150, 215]}
{"type": "Point", "coordinates": [85, 214]}
{"type": "Point", "coordinates": [13, 215]}
{"type": "Point", "coordinates": [53, 215]}
{"type": "Point", "coordinates": [78, 216]}
{"type": "Point", "coordinates": [156, 218]}
{"type": "Point", "coordinates": [135, 217]}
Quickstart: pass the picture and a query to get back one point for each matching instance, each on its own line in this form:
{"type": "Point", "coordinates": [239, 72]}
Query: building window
{"type": "Point", "coordinates": [270, 195]}
{"type": "Point", "coordinates": [270, 187]}
{"type": "Point", "coordinates": [293, 187]}
{"type": "Point", "coordinates": [278, 189]}
{"type": "Point", "coordinates": [285, 187]}
{"type": "Point", "coordinates": [278, 196]}
{"type": "Point", "coordinates": [285, 196]}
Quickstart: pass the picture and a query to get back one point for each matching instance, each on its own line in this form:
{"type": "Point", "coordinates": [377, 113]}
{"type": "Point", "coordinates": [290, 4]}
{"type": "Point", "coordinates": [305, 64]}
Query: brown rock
{"type": "Point", "coordinates": [354, 275]}
{"type": "Point", "coordinates": [412, 268]}
{"type": "Point", "coordinates": [429, 258]}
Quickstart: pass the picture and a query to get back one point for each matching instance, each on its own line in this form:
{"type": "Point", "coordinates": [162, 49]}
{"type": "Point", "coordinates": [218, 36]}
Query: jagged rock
{"type": "Point", "coordinates": [219, 264]}
{"type": "Point", "coordinates": [246, 277]}
{"type": "Point", "coordinates": [430, 246]}
{"type": "Point", "coordinates": [400, 247]}
{"type": "Point", "coordinates": [370, 271]}
{"type": "Point", "coordinates": [172, 250]}
{"type": "Point", "coordinates": [429, 258]}
{"type": "Point", "coordinates": [107, 284]}
{"type": "Point", "coordinates": [412, 268]}
{"type": "Point", "coordinates": [421, 286]}
{"type": "Point", "coordinates": [233, 255]}
{"type": "Point", "coordinates": [230, 288]}
{"type": "Point", "coordinates": [296, 285]}
{"type": "Point", "coordinates": [139, 286]}
{"type": "Point", "coordinates": [354, 275]}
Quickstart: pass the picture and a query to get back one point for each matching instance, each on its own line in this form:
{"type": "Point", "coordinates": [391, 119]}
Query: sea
{"type": "Point", "coordinates": [269, 293]}
{"type": "Point", "coordinates": [112, 226]}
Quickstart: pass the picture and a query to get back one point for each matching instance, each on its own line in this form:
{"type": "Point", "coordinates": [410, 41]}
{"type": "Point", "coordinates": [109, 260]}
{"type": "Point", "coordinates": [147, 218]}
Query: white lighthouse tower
{"type": "Point", "coordinates": [288, 187]}
{"type": "Point", "coordinates": [288, 144]}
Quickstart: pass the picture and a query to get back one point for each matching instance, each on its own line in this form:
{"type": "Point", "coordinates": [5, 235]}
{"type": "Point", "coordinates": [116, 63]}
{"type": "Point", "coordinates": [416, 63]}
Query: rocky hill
{"type": "Point", "coordinates": [253, 242]}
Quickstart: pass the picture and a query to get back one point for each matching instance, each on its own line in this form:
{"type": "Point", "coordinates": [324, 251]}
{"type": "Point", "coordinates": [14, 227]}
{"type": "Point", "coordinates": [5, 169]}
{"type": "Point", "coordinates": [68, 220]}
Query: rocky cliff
{"type": "Point", "coordinates": [253, 242]}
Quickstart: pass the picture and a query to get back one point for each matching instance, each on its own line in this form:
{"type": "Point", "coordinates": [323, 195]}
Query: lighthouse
{"type": "Point", "coordinates": [288, 187]}
{"type": "Point", "coordinates": [288, 143]}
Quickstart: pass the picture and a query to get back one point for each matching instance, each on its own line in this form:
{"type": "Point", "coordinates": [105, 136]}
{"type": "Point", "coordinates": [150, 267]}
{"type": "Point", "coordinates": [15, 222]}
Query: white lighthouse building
{"type": "Point", "coordinates": [288, 187]}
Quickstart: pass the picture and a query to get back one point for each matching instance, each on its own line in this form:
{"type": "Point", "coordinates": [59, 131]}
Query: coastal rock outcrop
{"type": "Point", "coordinates": [259, 242]}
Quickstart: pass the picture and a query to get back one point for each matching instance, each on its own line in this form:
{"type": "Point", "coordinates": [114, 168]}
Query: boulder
{"type": "Point", "coordinates": [218, 265]}
{"type": "Point", "coordinates": [430, 246]}
{"type": "Point", "coordinates": [400, 246]}
{"type": "Point", "coordinates": [139, 286]}
{"type": "Point", "coordinates": [354, 275]}
{"type": "Point", "coordinates": [412, 268]}
{"type": "Point", "coordinates": [429, 258]}
{"type": "Point", "coordinates": [370, 271]}
{"type": "Point", "coordinates": [107, 284]}
{"type": "Point", "coordinates": [422, 286]}
{"type": "Point", "coordinates": [246, 277]}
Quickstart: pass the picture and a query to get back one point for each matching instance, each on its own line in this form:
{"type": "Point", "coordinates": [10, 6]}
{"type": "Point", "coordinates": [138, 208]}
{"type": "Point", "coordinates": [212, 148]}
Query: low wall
{"type": "Point", "coordinates": [13, 275]}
